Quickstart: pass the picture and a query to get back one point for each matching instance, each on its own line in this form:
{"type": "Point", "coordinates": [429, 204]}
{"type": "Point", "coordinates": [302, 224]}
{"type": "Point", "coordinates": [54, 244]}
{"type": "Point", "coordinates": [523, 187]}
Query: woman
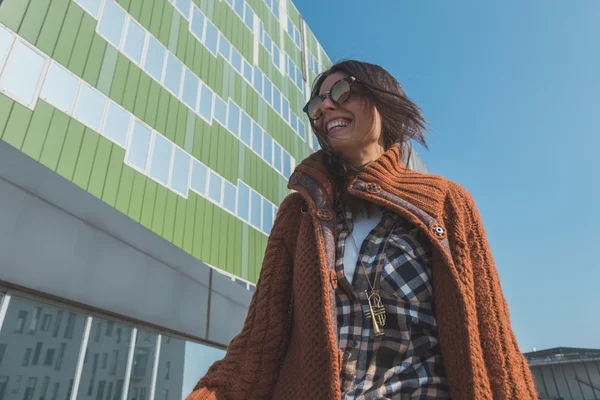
{"type": "Point", "coordinates": [377, 282]}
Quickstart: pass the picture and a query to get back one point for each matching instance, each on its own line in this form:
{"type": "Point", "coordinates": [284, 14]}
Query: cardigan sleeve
{"type": "Point", "coordinates": [249, 369]}
{"type": "Point", "coordinates": [509, 373]}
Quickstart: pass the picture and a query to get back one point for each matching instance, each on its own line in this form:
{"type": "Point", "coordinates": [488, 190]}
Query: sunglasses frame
{"type": "Point", "coordinates": [349, 79]}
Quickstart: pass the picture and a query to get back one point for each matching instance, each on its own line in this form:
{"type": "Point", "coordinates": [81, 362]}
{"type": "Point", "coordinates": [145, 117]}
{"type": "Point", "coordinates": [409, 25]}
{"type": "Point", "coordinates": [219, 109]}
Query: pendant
{"type": "Point", "coordinates": [376, 312]}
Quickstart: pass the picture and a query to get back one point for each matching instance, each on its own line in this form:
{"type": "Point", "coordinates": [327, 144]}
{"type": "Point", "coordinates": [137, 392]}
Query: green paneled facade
{"type": "Point", "coordinates": [69, 34]}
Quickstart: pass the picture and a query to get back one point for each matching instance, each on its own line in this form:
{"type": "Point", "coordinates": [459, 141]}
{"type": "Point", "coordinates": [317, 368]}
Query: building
{"type": "Point", "coordinates": [566, 373]}
{"type": "Point", "coordinates": [145, 146]}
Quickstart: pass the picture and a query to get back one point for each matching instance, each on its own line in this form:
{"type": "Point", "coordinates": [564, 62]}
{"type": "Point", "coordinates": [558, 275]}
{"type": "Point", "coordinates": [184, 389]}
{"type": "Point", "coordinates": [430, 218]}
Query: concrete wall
{"type": "Point", "coordinates": [576, 380]}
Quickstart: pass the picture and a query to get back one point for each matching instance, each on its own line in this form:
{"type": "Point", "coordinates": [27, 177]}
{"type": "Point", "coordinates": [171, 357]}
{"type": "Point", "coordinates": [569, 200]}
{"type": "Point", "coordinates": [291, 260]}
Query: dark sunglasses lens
{"type": "Point", "coordinates": [314, 108]}
{"type": "Point", "coordinates": [340, 92]}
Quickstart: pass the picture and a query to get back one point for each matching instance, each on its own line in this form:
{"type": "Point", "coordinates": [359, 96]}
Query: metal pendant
{"type": "Point", "coordinates": [376, 312]}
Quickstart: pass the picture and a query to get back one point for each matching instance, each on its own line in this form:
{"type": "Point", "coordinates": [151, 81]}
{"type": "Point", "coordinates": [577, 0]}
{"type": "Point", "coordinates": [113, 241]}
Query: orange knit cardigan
{"type": "Point", "coordinates": [288, 349]}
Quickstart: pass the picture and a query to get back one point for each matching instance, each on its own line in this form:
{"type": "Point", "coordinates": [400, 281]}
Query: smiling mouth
{"type": "Point", "coordinates": [337, 124]}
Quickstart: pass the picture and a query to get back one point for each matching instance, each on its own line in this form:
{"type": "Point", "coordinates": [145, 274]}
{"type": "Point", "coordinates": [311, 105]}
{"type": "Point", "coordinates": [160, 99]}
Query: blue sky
{"type": "Point", "coordinates": [512, 93]}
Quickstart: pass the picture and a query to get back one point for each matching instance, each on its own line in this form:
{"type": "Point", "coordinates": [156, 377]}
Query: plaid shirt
{"type": "Point", "coordinates": [406, 362]}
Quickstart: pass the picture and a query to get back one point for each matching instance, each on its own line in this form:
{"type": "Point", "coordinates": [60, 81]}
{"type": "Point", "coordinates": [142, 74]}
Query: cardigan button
{"type": "Point", "coordinates": [333, 278]}
{"type": "Point", "coordinates": [372, 188]}
{"type": "Point", "coordinates": [324, 214]}
{"type": "Point", "coordinates": [296, 177]}
{"type": "Point", "coordinates": [438, 231]}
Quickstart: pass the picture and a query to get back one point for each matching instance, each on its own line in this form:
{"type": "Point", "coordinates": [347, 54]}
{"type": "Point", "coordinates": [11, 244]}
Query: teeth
{"type": "Point", "coordinates": [336, 124]}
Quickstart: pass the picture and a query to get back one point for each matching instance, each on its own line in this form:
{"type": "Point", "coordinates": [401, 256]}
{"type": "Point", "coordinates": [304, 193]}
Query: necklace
{"type": "Point", "coordinates": [376, 310]}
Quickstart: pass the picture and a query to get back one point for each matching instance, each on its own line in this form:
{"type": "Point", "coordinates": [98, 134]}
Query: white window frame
{"type": "Point", "coordinates": [189, 177]}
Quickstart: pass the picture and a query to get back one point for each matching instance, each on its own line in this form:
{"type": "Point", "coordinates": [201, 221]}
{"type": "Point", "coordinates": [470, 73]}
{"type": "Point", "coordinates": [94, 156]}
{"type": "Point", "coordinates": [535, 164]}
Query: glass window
{"type": "Point", "coordinates": [276, 55]}
{"type": "Point", "coordinates": [267, 148]}
{"type": "Point", "coordinates": [258, 79]}
{"type": "Point", "coordinates": [35, 320]}
{"type": "Point", "coordinates": [249, 18]}
{"type": "Point", "coordinates": [233, 120]}
{"type": "Point", "coordinates": [230, 2]}
{"type": "Point", "coordinates": [134, 41]}
{"type": "Point", "coordinates": [198, 21]}
{"type": "Point", "coordinates": [22, 74]}
{"type": "Point", "coordinates": [248, 72]}
{"type": "Point", "coordinates": [268, 43]}
{"type": "Point", "coordinates": [294, 121]}
{"type": "Point", "coordinates": [172, 352]}
{"type": "Point", "coordinates": [91, 6]}
{"type": "Point", "coordinates": [89, 107]}
{"type": "Point", "coordinates": [220, 111]}
{"type": "Point", "coordinates": [181, 172]}
{"type": "Point", "coordinates": [173, 74]}
{"type": "Point", "coordinates": [6, 41]}
{"type": "Point", "coordinates": [20, 325]}
{"type": "Point", "coordinates": [137, 150]}
{"type": "Point", "coordinates": [276, 8]}
{"type": "Point", "coordinates": [246, 130]}
{"type": "Point", "coordinates": [238, 5]}
{"type": "Point", "coordinates": [229, 196]}
{"type": "Point", "coordinates": [236, 59]}
{"type": "Point", "coordinates": [268, 91]}
{"type": "Point", "coordinates": [35, 356]}
{"type": "Point", "coordinates": [211, 40]}
{"type": "Point", "coordinates": [299, 79]}
{"type": "Point", "coordinates": [46, 322]}
{"type": "Point", "coordinates": [287, 164]}
{"type": "Point", "coordinates": [243, 201]}
{"type": "Point", "coordinates": [292, 71]}
{"type": "Point", "coordinates": [290, 27]}
{"type": "Point", "coordinates": [206, 100]}
{"type": "Point", "coordinates": [255, 209]}
{"type": "Point", "coordinates": [30, 388]}
{"type": "Point", "coordinates": [285, 109]}
{"type": "Point", "coordinates": [143, 364]}
{"type": "Point", "coordinates": [277, 156]}
{"type": "Point", "coordinates": [214, 187]}
{"type": "Point", "coordinates": [199, 177]}
{"type": "Point", "coordinates": [190, 89]}
{"type": "Point", "coordinates": [224, 48]}
{"type": "Point", "coordinates": [43, 389]}
{"type": "Point", "coordinates": [301, 129]}
{"type": "Point", "coordinates": [161, 158]}
{"type": "Point", "coordinates": [184, 7]}
{"type": "Point", "coordinates": [203, 356]}
{"type": "Point", "coordinates": [155, 59]}
{"type": "Point", "coordinates": [116, 124]}
{"type": "Point", "coordinates": [257, 134]}
{"type": "Point", "coordinates": [267, 217]}
{"type": "Point", "coordinates": [60, 88]}
{"type": "Point", "coordinates": [112, 22]}
{"type": "Point", "coordinates": [276, 99]}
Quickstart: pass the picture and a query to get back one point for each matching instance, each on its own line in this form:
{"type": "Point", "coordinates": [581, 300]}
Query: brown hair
{"type": "Point", "coordinates": [401, 119]}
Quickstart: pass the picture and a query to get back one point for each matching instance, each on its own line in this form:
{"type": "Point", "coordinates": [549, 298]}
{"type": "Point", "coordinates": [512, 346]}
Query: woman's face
{"type": "Point", "coordinates": [360, 140]}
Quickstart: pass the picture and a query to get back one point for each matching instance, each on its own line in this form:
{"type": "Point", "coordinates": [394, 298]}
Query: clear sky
{"type": "Point", "coordinates": [512, 93]}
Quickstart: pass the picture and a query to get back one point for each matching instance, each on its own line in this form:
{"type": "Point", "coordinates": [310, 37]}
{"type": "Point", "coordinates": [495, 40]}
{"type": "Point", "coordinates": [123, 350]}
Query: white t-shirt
{"type": "Point", "coordinates": [363, 225]}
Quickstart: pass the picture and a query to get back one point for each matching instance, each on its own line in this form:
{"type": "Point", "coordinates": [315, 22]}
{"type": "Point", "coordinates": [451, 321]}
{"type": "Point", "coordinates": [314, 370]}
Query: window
{"type": "Point", "coordinates": [181, 172]}
{"type": "Point", "coordinates": [137, 150]}
{"type": "Point", "coordinates": [111, 23]}
{"type": "Point", "coordinates": [57, 322]}
{"type": "Point", "coordinates": [134, 41]}
{"type": "Point", "coordinates": [91, 6]}
{"type": "Point", "coordinates": [243, 201]}
{"type": "Point", "coordinates": [31, 382]}
{"type": "Point", "coordinates": [246, 130]}
{"type": "Point", "coordinates": [109, 328]}
{"type": "Point", "coordinates": [267, 217]}
{"type": "Point", "coordinates": [276, 55]}
{"type": "Point", "coordinates": [6, 41]}
{"type": "Point", "coordinates": [35, 320]}
{"type": "Point", "coordinates": [276, 8]}
{"type": "Point", "coordinates": [98, 332]}
{"type": "Point", "coordinates": [255, 209]}
{"type": "Point", "coordinates": [299, 79]}
{"type": "Point", "coordinates": [59, 358]}
{"type": "Point", "coordinates": [36, 353]}
{"type": "Point", "coordinates": [46, 322]}
{"type": "Point", "coordinates": [173, 74]}
{"type": "Point", "coordinates": [294, 121]}
{"type": "Point", "coordinates": [224, 48]}
{"type": "Point", "coordinates": [21, 318]}
{"type": "Point", "coordinates": [268, 43]}
{"type": "Point", "coordinates": [49, 360]}
{"type": "Point", "coordinates": [184, 7]}
{"type": "Point", "coordinates": [277, 156]}
{"type": "Point", "coordinates": [114, 363]}
{"type": "Point", "coordinates": [229, 196]}
{"type": "Point", "coordinates": [55, 391]}
{"type": "Point", "coordinates": [236, 59]}
{"type": "Point", "coordinates": [190, 89]}
{"type": "Point", "coordinates": [290, 26]}
{"type": "Point", "coordinates": [211, 40]}
{"type": "Point", "coordinates": [233, 121]}
{"type": "Point", "coordinates": [155, 59]}
{"type": "Point", "coordinates": [206, 100]}
{"type": "Point", "coordinates": [44, 388]}
{"type": "Point", "coordinates": [197, 25]}
{"type": "Point", "coordinates": [199, 177]}
{"type": "Point", "coordinates": [249, 18]}
{"type": "Point", "coordinates": [277, 100]}
{"type": "Point", "coordinates": [143, 360]}
{"type": "Point", "coordinates": [100, 390]}
{"type": "Point", "coordinates": [162, 149]}
{"type": "Point", "coordinates": [164, 394]}
{"type": "Point", "coordinates": [214, 188]}
{"type": "Point", "coordinates": [267, 148]}
{"type": "Point", "coordinates": [60, 88]}
{"type": "Point", "coordinates": [239, 7]}
{"type": "Point", "coordinates": [119, 331]}
{"type": "Point", "coordinates": [257, 134]}
{"type": "Point", "coordinates": [109, 392]}
{"type": "Point", "coordinates": [2, 351]}
{"type": "Point", "coordinates": [248, 72]}
{"type": "Point", "coordinates": [258, 80]}
{"type": "Point", "coordinates": [104, 361]}
{"type": "Point", "coordinates": [285, 109]}
{"type": "Point", "coordinates": [220, 111]}
{"type": "Point", "coordinates": [22, 74]}
{"type": "Point", "coordinates": [89, 107]}
{"type": "Point", "coordinates": [268, 91]}
{"type": "Point", "coordinates": [116, 124]}
{"type": "Point", "coordinates": [287, 164]}
{"type": "Point", "coordinates": [301, 129]}
{"type": "Point", "coordinates": [26, 357]}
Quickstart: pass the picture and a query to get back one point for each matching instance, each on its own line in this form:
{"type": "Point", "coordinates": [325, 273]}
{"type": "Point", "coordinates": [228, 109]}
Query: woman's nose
{"type": "Point", "coordinates": [327, 105]}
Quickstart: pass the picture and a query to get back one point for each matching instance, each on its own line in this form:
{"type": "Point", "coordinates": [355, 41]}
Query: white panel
{"type": "Point", "coordinates": [22, 74]}
{"type": "Point", "coordinates": [89, 107]}
{"type": "Point", "coordinates": [60, 88]}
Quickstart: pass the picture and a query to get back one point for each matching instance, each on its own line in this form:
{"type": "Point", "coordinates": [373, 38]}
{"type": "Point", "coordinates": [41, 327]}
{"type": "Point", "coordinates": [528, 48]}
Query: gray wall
{"type": "Point", "coordinates": [575, 380]}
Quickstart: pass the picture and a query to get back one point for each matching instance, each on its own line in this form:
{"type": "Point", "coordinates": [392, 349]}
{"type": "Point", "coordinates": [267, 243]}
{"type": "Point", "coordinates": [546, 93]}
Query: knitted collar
{"type": "Point", "coordinates": [424, 191]}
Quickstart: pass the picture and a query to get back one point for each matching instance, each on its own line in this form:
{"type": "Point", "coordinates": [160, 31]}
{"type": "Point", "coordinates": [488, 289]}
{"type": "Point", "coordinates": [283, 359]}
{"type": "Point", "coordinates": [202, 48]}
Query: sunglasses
{"type": "Point", "coordinates": [340, 92]}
